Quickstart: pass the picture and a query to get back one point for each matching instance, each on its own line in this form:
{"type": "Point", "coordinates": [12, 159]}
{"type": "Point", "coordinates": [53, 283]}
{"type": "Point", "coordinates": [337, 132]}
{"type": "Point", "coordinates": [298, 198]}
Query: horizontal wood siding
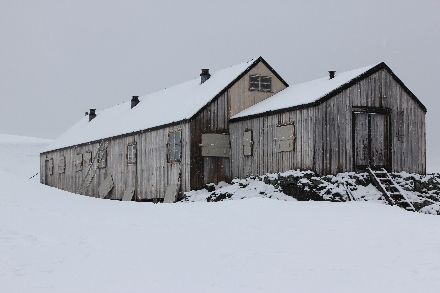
{"type": "Point", "coordinates": [153, 173]}
{"type": "Point", "coordinates": [323, 134]}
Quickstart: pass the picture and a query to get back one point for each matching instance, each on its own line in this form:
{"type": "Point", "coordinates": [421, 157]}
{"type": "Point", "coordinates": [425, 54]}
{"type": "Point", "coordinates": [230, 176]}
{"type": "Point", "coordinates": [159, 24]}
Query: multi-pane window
{"type": "Point", "coordinates": [61, 165]}
{"type": "Point", "coordinates": [260, 83]}
{"type": "Point", "coordinates": [102, 158]}
{"type": "Point", "coordinates": [131, 153]}
{"type": "Point", "coordinates": [174, 146]}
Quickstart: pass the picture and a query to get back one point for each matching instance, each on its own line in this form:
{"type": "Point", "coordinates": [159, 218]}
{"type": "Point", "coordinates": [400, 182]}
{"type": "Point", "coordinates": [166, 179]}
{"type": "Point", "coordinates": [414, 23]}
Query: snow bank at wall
{"type": "Point", "coordinates": [423, 191]}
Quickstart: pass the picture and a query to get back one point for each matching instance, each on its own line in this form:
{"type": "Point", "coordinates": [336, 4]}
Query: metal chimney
{"type": "Point", "coordinates": [332, 74]}
{"type": "Point", "coordinates": [134, 101]}
{"type": "Point", "coordinates": [92, 114]}
{"type": "Point", "coordinates": [204, 76]}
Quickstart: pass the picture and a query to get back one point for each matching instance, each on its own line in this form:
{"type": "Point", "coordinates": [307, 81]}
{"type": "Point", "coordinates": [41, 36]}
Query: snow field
{"type": "Point", "coordinates": [55, 241]}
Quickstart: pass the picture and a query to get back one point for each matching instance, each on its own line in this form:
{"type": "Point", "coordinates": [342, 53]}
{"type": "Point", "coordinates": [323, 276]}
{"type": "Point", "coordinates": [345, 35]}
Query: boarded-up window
{"type": "Point", "coordinates": [131, 153]}
{"type": "Point", "coordinates": [87, 159]}
{"type": "Point", "coordinates": [247, 143]}
{"type": "Point", "coordinates": [174, 146]}
{"type": "Point", "coordinates": [78, 162]}
{"type": "Point", "coordinates": [284, 138]}
{"type": "Point", "coordinates": [215, 145]}
{"type": "Point", "coordinates": [254, 83]}
{"type": "Point", "coordinates": [400, 126]}
{"type": "Point", "coordinates": [102, 158]}
{"type": "Point", "coordinates": [266, 83]}
{"type": "Point", "coordinates": [260, 83]}
{"type": "Point", "coordinates": [62, 165]}
{"type": "Point", "coordinates": [50, 166]}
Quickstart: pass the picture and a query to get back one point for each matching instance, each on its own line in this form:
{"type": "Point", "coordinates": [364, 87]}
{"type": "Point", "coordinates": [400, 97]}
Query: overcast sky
{"type": "Point", "coordinates": [60, 58]}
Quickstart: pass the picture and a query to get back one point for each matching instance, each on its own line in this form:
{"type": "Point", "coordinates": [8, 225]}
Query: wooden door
{"type": "Point", "coordinates": [379, 146]}
{"type": "Point", "coordinates": [370, 147]}
{"type": "Point", "coordinates": [361, 149]}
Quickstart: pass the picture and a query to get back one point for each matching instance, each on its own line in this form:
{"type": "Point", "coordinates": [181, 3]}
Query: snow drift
{"type": "Point", "coordinates": [55, 241]}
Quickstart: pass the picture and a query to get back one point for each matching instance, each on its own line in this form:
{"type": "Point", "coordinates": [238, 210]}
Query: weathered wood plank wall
{"type": "Point", "coordinates": [324, 133]}
{"type": "Point", "coordinates": [153, 172]}
{"type": "Point", "coordinates": [215, 119]}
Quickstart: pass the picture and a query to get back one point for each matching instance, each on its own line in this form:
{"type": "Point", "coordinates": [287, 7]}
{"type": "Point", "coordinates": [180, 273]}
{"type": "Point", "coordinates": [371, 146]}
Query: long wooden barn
{"type": "Point", "coordinates": [239, 121]}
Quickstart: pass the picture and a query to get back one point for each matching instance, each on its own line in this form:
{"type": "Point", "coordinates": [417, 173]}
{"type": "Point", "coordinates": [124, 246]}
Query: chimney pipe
{"type": "Point", "coordinates": [92, 114]}
{"type": "Point", "coordinates": [204, 76]}
{"type": "Point", "coordinates": [134, 101]}
{"type": "Point", "coordinates": [332, 74]}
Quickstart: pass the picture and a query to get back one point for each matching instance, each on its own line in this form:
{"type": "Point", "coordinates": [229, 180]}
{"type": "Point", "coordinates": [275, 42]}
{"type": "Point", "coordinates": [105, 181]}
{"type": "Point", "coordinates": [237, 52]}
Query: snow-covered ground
{"type": "Point", "coordinates": [55, 241]}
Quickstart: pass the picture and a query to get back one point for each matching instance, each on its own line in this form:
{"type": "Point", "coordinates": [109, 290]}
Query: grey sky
{"type": "Point", "coordinates": [60, 58]}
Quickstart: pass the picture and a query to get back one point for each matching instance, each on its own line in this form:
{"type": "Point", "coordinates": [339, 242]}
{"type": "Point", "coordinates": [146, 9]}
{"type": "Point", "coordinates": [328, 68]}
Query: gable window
{"type": "Point", "coordinates": [174, 146]}
{"type": "Point", "coordinates": [131, 153]}
{"type": "Point", "coordinates": [260, 83]}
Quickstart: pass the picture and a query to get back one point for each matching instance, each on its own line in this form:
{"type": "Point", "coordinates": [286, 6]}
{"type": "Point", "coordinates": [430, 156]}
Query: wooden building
{"type": "Point", "coordinates": [239, 121]}
{"type": "Point", "coordinates": [341, 123]}
{"type": "Point", "coordinates": [144, 148]}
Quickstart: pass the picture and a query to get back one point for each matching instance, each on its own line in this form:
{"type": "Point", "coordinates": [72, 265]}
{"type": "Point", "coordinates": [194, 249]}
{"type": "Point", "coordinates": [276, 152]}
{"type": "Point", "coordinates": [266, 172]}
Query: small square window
{"type": "Point", "coordinates": [174, 146]}
{"type": "Point", "coordinates": [260, 83]}
{"type": "Point", "coordinates": [254, 82]}
{"type": "Point", "coordinates": [131, 153]}
{"type": "Point", "coordinates": [266, 83]}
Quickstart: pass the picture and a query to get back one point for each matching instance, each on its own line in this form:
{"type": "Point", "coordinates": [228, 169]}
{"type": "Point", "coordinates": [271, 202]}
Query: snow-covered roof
{"type": "Point", "coordinates": [170, 105]}
{"type": "Point", "coordinates": [303, 94]}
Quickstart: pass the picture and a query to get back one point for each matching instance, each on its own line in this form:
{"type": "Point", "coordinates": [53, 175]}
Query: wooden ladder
{"type": "Point", "coordinates": [389, 188]}
{"type": "Point", "coordinates": [91, 171]}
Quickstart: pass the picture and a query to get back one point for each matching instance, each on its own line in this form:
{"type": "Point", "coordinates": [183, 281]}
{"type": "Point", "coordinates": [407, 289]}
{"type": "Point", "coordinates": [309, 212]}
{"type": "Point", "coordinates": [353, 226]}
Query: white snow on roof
{"type": "Point", "coordinates": [303, 93]}
{"type": "Point", "coordinates": [163, 107]}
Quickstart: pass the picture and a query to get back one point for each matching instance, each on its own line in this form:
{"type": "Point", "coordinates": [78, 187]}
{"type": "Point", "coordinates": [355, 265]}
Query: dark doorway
{"type": "Point", "coordinates": [371, 143]}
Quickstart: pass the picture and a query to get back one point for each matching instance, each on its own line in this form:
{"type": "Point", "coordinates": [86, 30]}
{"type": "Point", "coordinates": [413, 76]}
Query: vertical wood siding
{"type": "Point", "coordinates": [323, 134]}
{"type": "Point", "coordinates": [153, 173]}
{"type": "Point", "coordinates": [215, 119]}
